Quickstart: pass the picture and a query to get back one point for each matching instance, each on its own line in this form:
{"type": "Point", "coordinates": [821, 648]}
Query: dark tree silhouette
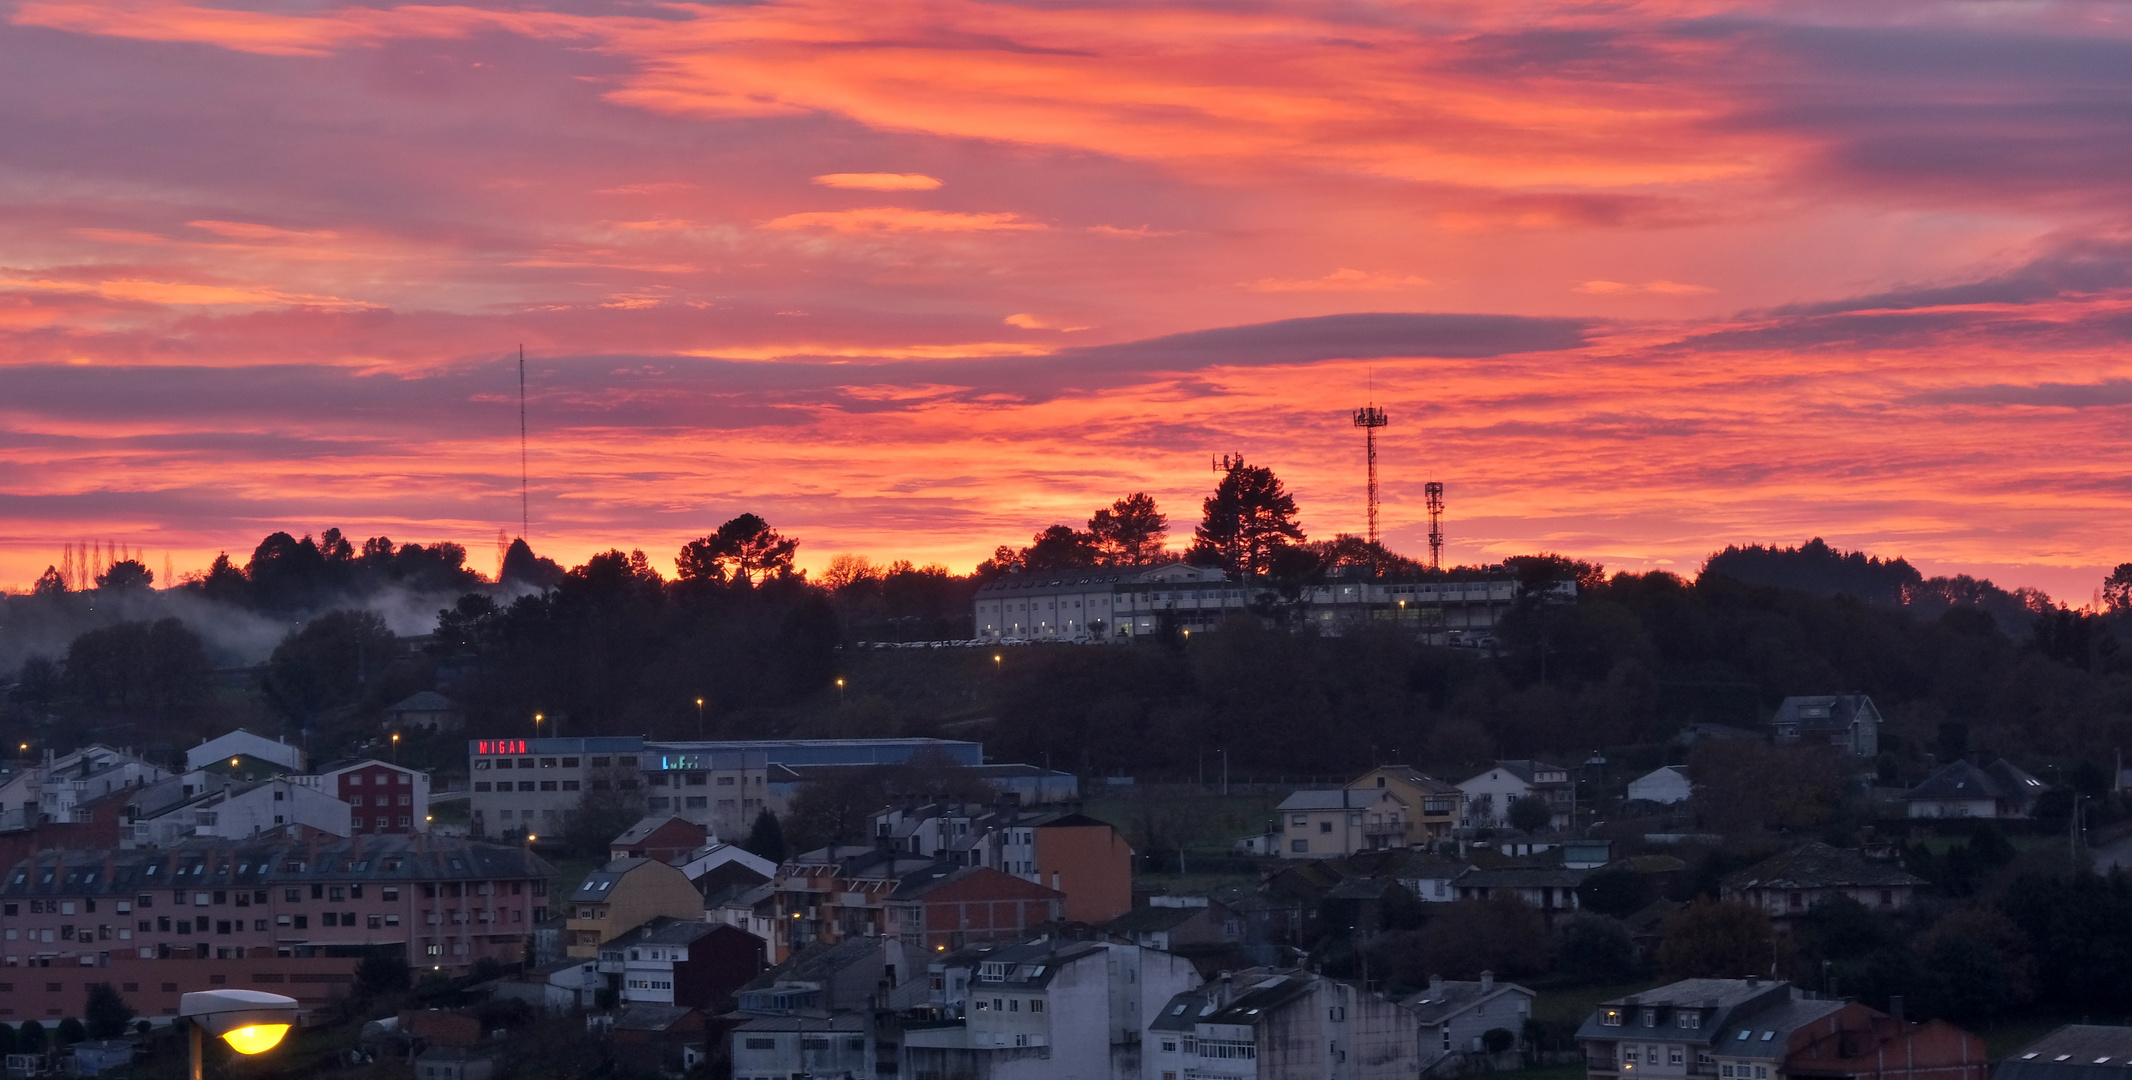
{"type": "Point", "coordinates": [744, 551]}
{"type": "Point", "coordinates": [1060, 548]}
{"type": "Point", "coordinates": [1248, 519]}
{"type": "Point", "coordinates": [766, 838]}
{"type": "Point", "coordinates": [106, 1012]}
{"type": "Point", "coordinates": [1529, 815]}
{"type": "Point", "coordinates": [126, 574]}
{"type": "Point", "coordinates": [1130, 531]}
{"type": "Point", "coordinates": [161, 666]}
{"type": "Point", "coordinates": [328, 662]}
{"type": "Point", "coordinates": [49, 583]}
{"type": "Point", "coordinates": [522, 567]}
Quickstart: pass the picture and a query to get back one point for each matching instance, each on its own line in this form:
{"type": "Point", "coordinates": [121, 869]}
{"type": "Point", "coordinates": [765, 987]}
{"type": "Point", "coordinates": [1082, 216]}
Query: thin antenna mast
{"type": "Point", "coordinates": [525, 514]}
{"type": "Point", "coordinates": [1369, 419]}
{"type": "Point", "coordinates": [1435, 491]}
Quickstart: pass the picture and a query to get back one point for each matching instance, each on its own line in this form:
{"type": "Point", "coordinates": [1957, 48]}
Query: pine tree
{"type": "Point", "coordinates": [767, 838]}
{"type": "Point", "coordinates": [107, 1012]}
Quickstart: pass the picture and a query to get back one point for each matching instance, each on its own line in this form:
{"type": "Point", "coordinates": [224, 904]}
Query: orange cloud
{"type": "Point", "coordinates": [1342, 280]}
{"type": "Point", "coordinates": [879, 181]}
{"type": "Point", "coordinates": [898, 219]}
{"type": "Point", "coordinates": [1665, 288]}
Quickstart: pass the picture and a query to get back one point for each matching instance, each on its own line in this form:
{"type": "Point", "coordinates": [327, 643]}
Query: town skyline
{"type": "Point", "coordinates": [1634, 283]}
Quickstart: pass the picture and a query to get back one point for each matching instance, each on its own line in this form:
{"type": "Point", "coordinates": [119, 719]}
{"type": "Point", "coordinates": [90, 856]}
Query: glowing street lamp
{"type": "Point", "coordinates": [840, 691]}
{"type": "Point", "coordinates": [699, 718]}
{"type": "Point", "coordinates": [537, 718]}
{"type": "Point", "coordinates": [395, 748]}
{"type": "Point", "coordinates": [250, 1021]}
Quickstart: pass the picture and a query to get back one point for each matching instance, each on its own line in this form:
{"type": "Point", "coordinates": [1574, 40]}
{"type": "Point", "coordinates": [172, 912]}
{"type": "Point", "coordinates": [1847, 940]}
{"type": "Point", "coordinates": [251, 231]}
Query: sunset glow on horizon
{"type": "Point", "coordinates": [1634, 280]}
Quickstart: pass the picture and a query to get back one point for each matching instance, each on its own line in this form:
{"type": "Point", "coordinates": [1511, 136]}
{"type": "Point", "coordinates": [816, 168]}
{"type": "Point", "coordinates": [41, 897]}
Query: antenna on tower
{"type": "Point", "coordinates": [1369, 418]}
{"type": "Point", "coordinates": [1434, 490]}
{"type": "Point", "coordinates": [525, 515]}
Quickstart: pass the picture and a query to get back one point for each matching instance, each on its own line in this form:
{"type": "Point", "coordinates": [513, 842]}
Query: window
{"type": "Point", "coordinates": [725, 781]}
{"type": "Point", "coordinates": [698, 802]}
{"type": "Point", "coordinates": [1610, 1018]}
{"type": "Point", "coordinates": [761, 1044]}
{"type": "Point", "coordinates": [569, 763]}
{"type": "Point", "coordinates": [1650, 1018]}
{"type": "Point", "coordinates": [1674, 1055]}
{"type": "Point", "coordinates": [1299, 845]}
{"type": "Point", "coordinates": [1325, 826]}
{"type": "Point", "coordinates": [1036, 1004]}
{"type": "Point", "coordinates": [1688, 1018]}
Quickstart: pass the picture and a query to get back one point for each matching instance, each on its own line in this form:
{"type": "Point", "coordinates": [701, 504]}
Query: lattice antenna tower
{"type": "Point", "coordinates": [1435, 491]}
{"type": "Point", "coordinates": [525, 514]}
{"type": "Point", "coordinates": [1369, 418]}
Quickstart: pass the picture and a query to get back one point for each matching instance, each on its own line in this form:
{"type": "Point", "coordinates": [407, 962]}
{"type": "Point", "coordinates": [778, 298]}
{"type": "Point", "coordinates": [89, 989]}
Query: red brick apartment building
{"type": "Point", "coordinates": [153, 987]}
{"type": "Point", "coordinates": [441, 902]}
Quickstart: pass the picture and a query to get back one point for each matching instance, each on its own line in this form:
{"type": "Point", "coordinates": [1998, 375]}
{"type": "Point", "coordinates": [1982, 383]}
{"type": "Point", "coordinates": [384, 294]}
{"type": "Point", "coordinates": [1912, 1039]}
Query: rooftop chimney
{"type": "Point", "coordinates": [1895, 1007]}
{"type": "Point", "coordinates": [1487, 981]}
{"type": "Point", "coordinates": [1436, 985]}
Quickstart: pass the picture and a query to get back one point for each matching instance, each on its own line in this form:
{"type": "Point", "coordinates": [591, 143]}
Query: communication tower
{"type": "Point", "coordinates": [1369, 418]}
{"type": "Point", "coordinates": [1435, 492]}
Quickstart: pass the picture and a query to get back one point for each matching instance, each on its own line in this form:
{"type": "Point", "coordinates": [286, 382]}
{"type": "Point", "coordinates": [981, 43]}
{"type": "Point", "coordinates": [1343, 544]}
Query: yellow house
{"type": "Point", "coordinates": [1329, 823]}
{"type": "Point", "coordinates": [1432, 805]}
{"type": "Point", "coordinates": [621, 896]}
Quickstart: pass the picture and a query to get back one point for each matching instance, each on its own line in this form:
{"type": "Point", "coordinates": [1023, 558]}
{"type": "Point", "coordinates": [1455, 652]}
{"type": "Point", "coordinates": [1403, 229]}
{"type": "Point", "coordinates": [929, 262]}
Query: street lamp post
{"type": "Point", "coordinates": [537, 718]}
{"type": "Point", "coordinates": [699, 718]}
{"type": "Point", "coordinates": [840, 691]}
{"type": "Point", "coordinates": [395, 748]}
{"type": "Point", "coordinates": [250, 1021]}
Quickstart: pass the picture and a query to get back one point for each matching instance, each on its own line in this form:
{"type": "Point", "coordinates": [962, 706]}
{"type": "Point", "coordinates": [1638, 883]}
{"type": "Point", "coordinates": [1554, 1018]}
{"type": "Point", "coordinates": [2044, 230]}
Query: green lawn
{"type": "Point", "coordinates": [1197, 822]}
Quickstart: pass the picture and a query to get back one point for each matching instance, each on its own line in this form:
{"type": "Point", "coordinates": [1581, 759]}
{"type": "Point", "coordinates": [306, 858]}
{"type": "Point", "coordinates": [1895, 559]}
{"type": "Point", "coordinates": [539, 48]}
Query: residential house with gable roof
{"type": "Point", "coordinates": [1847, 722]}
{"type": "Point", "coordinates": [1433, 806]}
{"type": "Point", "coordinates": [1490, 793]}
{"type": "Point", "coordinates": [1332, 822]}
{"type": "Point", "coordinates": [1789, 884]}
{"type": "Point", "coordinates": [1455, 1016]}
{"type": "Point", "coordinates": [685, 962]}
{"type": "Point", "coordinates": [659, 836]}
{"type": "Point", "coordinates": [1960, 789]}
{"type": "Point", "coordinates": [943, 907]}
{"type": "Point", "coordinates": [621, 896]}
{"type": "Point", "coordinates": [2073, 1052]}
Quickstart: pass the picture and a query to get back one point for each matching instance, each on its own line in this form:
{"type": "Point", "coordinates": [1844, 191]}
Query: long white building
{"type": "Point", "coordinates": [1100, 603]}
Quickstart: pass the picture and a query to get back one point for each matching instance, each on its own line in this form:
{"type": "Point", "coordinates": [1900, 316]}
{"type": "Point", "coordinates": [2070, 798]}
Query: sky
{"type": "Point", "coordinates": [1633, 280]}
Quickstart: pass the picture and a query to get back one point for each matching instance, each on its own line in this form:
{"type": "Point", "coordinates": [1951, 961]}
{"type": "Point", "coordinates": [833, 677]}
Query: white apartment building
{"type": "Point", "coordinates": [1273, 1024]}
{"type": "Point", "coordinates": [51, 789]}
{"type": "Point", "coordinates": [1044, 1009]}
{"type": "Point", "coordinates": [1489, 794]}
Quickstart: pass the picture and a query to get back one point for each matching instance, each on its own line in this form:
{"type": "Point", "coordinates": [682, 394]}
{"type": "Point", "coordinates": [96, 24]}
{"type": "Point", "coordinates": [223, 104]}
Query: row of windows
{"type": "Point", "coordinates": [806, 1042]}
{"type": "Point", "coordinates": [693, 802]}
{"type": "Point", "coordinates": [1012, 1005]}
{"type": "Point", "coordinates": [382, 800]}
{"type": "Point", "coordinates": [545, 763]}
{"type": "Point", "coordinates": [383, 780]}
{"type": "Point", "coordinates": [1686, 1019]}
{"type": "Point", "coordinates": [530, 785]}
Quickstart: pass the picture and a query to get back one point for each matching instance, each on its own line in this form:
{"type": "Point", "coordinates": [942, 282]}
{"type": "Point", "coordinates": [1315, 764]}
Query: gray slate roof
{"type": "Point", "coordinates": [1446, 999]}
{"type": "Point", "coordinates": [1818, 866]}
{"type": "Point", "coordinates": [1961, 781]}
{"type": "Point", "coordinates": [2073, 1052]}
{"type": "Point", "coordinates": [271, 859]}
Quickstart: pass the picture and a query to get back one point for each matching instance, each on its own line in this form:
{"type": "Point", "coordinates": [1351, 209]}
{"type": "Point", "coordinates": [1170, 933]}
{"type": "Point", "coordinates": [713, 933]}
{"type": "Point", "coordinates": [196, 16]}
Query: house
{"type": "Point", "coordinates": [749, 907]}
{"type": "Point", "coordinates": [1960, 789]}
{"type": "Point", "coordinates": [717, 867]}
{"type": "Point", "coordinates": [621, 896]}
{"type": "Point", "coordinates": [1787, 885]}
{"type": "Point", "coordinates": [454, 1063]}
{"type": "Point", "coordinates": [427, 710]}
{"type": "Point", "coordinates": [947, 907]}
{"type": "Point", "coordinates": [667, 839]}
{"type": "Point", "coordinates": [816, 1015]}
{"type": "Point", "coordinates": [1672, 1031]}
{"type": "Point", "coordinates": [1087, 861]}
{"type": "Point", "coordinates": [243, 744]}
{"type": "Point", "coordinates": [1454, 1016]}
{"type": "Point", "coordinates": [1844, 1041]}
{"type": "Point", "coordinates": [831, 895]}
{"type": "Point", "coordinates": [1429, 877]}
{"type": "Point", "coordinates": [381, 797]}
{"type": "Point", "coordinates": [1550, 890]}
{"type": "Point", "coordinates": [666, 1039]}
{"type": "Point", "coordinates": [49, 791]}
{"type": "Point", "coordinates": [1489, 794]}
{"type": "Point", "coordinates": [682, 962]}
{"type": "Point", "coordinates": [1848, 722]}
{"type": "Point", "coordinates": [243, 810]}
{"type": "Point", "coordinates": [1175, 923]}
{"type": "Point", "coordinates": [2073, 1052]}
{"type": "Point", "coordinates": [1323, 824]}
{"type": "Point", "coordinates": [1664, 786]}
{"type": "Point", "coordinates": [1282, 1024]}
{"type": "Point", "coordinates": [1433, 806]}
{"type": "Point", "coordinates": [1043, 1008]}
